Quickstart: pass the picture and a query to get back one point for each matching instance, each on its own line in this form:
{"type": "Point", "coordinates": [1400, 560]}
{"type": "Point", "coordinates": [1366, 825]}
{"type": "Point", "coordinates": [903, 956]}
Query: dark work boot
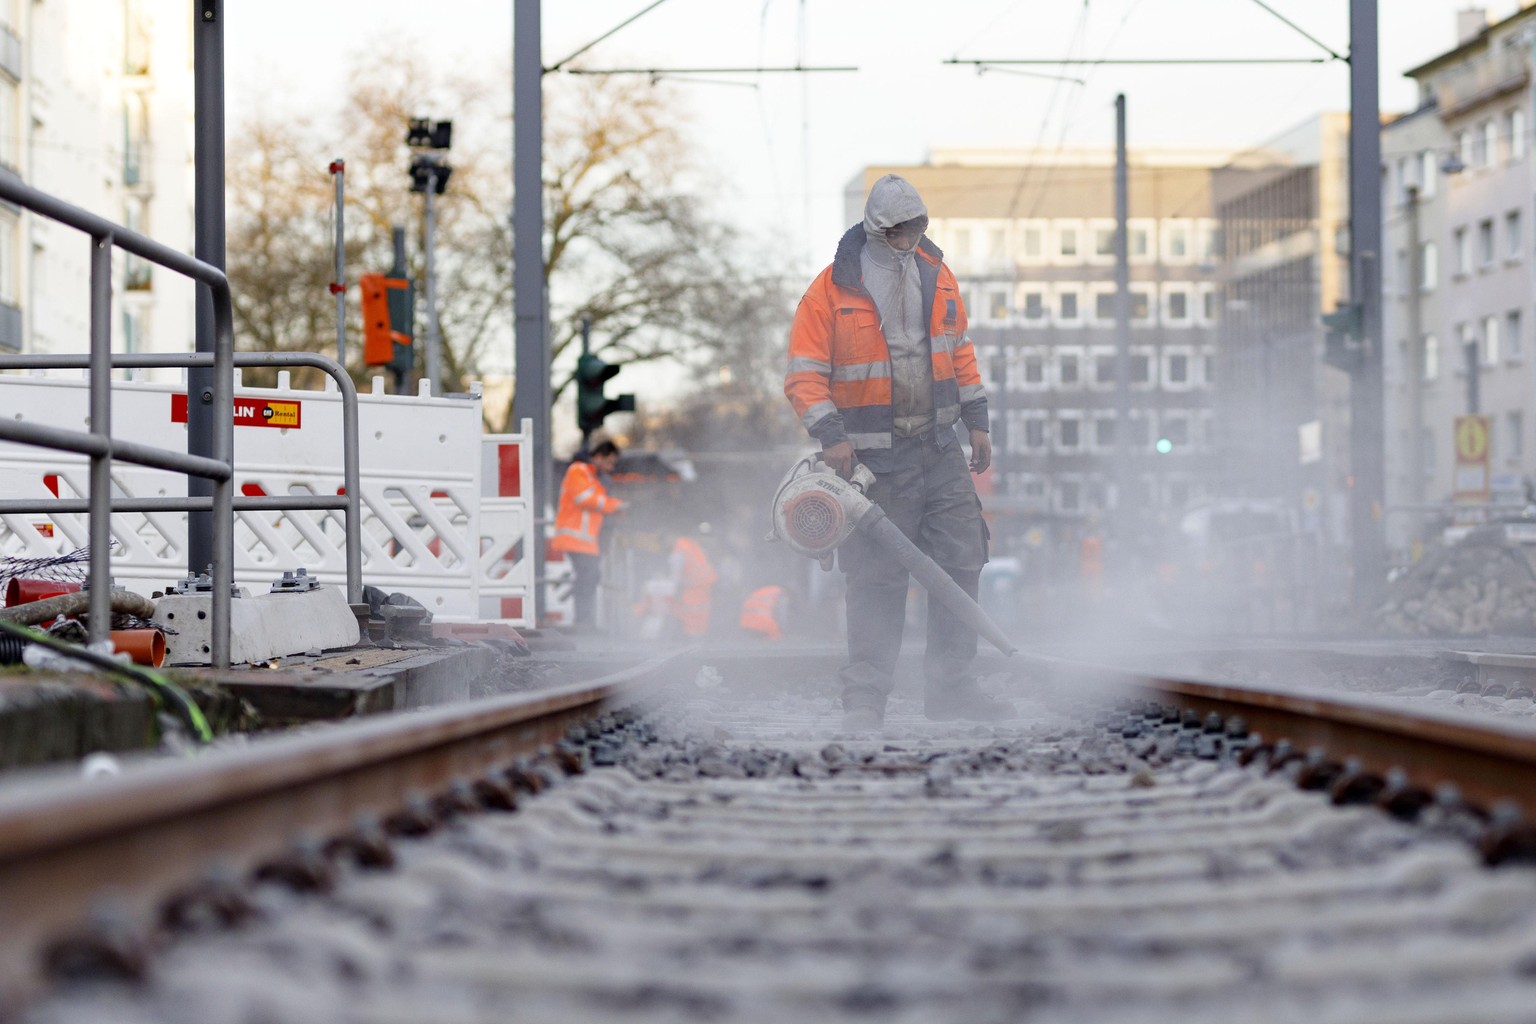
{"type": "Point", "coordinates": [964, 700]}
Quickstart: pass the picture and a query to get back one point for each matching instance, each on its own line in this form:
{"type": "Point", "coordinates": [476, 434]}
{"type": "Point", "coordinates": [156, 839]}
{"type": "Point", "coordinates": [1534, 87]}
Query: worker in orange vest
{"type": "Point", "coordinates": [693, 582]}
{"type": "Point", "coordinates": [1090, 557]}
{"type": "Point", "coordinates": [762, 610]}
{"type": "Point", "coordinates": [584, 501]}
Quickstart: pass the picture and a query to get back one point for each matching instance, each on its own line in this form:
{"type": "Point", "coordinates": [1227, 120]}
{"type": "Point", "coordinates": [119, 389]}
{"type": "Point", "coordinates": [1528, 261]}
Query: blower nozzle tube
{"type": "Point", "coordinates": [935, 580]}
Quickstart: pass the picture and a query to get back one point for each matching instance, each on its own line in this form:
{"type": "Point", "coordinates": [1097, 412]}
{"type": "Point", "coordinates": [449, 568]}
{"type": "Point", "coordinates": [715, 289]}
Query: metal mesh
{"type": "Point", "coordinates": [814, 518]}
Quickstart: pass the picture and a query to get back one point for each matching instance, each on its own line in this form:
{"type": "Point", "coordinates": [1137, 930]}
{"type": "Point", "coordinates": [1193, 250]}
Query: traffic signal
{"type": "Point", "coordinates": [591, 405]}
{"type": "Point", "coordinates": [425, 133]}
{"type": "Point", "coordinates": [380, 322]}
{"type": "Point", "coordinates": [427, 169]}
{"type": "Point", "coordinates": [1341, 340]}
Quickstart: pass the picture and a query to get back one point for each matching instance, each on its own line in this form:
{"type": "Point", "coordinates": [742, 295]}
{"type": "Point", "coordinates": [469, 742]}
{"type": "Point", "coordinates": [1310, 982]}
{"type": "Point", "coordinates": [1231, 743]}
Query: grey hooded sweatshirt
{"type": "Point", "coordinates": [891, 276]}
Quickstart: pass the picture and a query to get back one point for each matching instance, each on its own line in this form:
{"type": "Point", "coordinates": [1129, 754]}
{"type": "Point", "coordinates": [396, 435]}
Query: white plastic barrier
{"type": "Point", "coordinates": [421, 466]}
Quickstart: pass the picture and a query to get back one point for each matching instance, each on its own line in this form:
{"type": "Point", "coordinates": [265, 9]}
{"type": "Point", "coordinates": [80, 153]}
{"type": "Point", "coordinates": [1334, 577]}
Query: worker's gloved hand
{"type": "Point", "coordinates": [981, 451]}
{"type": "Point", "coordinates": [841, 458]}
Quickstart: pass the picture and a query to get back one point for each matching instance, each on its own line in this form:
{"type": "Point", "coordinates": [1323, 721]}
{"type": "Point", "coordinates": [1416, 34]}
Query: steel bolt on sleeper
{"type": "Point", "coordinates": [219, 899]}
{"type": "Point", "coordinates": [304, 867]}
{"type": "Point", "coordinates": [1317, 771]}
{"type": "Point", "coordinates": [1354, 785]}
{"type": "Point", "coordinates": [416, 817]}
{"type": "Point", "coordinates": [1402, 799]}
{"type": "Point", "coordinates": [367, 844]}
{"type": "Point", "coordinates": [494, 792]}
{"type": "Point", "coordinates": [110, 946]}
{"type": "Point", "coordinates": [457, 799]}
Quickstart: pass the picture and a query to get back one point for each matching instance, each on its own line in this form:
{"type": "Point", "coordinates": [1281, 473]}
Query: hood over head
{"type": "Point", "coordinates": [892, 200]}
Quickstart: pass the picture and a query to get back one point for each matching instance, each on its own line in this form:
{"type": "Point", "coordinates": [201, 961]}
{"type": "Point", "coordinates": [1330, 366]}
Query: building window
{"type": "Point", "coordinates": [1208, 369]}
{"type": "Point", "coordinates": [1138, 240]}
{"type": "Point", "coordinates": [1104, 370]}
{"type": "Point", "coordinates": [1069, 495]}
{"type": "Point", "coordinates": [1032, 242]}
{"type": "Point", "coordinates": [1514, 342]}
{"type": "Point", "coordinates": [1141, 368]}
{"type": "Point", "coordinates": [960, 242]}
{"type": "Point", "coordinates": [1176, 241]}
{"type": "Point", "coordinates": [1104, 432]}
{"type": "Point", "coordinates": [1491, 341]}
{"type": "Point", "coordinates": [1034, 370]}
{"type": "Point", "coordinates": [1514, 124]}
{"type": "Point", "coordinates": [1032, 301]}
{"type": "Point", "coordinates": [997, 245]}
{"type": "Point", "coordinates": [1431, 358]}
{"type": "Point", "coordinates": [1066, 242]}
{"type": "Point", "coordinates": [1512, 240]}
{"type": "Point", "coordinates": [1068, 432]}
{"type": "Point", "coordinates": [1490, 142]}
{"type": "Point", "coordinates": [1138, 432]}
{"type": "Point", "coordinates": [1034, 432]}
{"type": "Point", "coordinates": [1142, 303]}
{"type": "Point", "coordinates": [1464, 149]}
{"type": "Point", "coordinates": [1176, 304]}
{"type": "Point", "coordinates": [1104, 307]}
{"type": "Point", "coordinates": [1515, 435]}
{"type": "Point", "coordinates": [1210, 304]}
{"type": "Point", "coordinates": [1103, 242]}
{"type": "Point", "coordinates": [1178, 370]}
{"type": "Point", "coordinates": [1429, 266]}
{"type": "Point", "coordinates": [1485, 242]}
{"type": "Point", "coordinates": [1463, 251]}
{"type": "Point", "coordinates": [1069, 369]}
{"type": "Point", "coordinates": [1175, 428]}
{"type": "Point", "coordinates": [1429, 172]}
{"type": "Point", "coordinates": [1069, 305]}
{"type": "Point", "coordinates": [10, 284]}
{"type": "Point", "coordinates": [997, 303]}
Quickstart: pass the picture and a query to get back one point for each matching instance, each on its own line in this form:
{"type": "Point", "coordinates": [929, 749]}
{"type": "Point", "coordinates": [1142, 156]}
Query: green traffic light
{"type": "Point", "coordinates": [1164, 446]}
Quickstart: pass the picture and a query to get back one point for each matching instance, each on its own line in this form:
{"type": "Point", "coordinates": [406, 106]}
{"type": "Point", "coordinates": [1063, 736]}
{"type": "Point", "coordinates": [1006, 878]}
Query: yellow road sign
{"type": "Point", "coordinates": [1471, 439]}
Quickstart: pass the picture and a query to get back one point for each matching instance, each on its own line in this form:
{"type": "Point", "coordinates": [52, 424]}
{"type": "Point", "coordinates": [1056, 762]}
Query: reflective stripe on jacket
{"type": "Point", "coordinates": [839, 376]}
{"type": "Point", "coordinates": [583, 503]}
{"type": "Point", "coordinates": [760, 612]}
{"type": "Point", "coordinates": [695, 579]}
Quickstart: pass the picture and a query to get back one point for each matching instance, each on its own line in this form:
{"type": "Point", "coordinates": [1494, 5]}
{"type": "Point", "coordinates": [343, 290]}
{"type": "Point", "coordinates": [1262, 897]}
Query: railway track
{"type": "Point", "coordinates": [1125, 851]}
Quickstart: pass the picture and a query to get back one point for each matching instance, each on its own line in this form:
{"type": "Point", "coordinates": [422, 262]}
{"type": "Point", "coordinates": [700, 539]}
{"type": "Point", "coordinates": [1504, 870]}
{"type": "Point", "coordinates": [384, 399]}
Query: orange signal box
{"type": "Point", "coordinates": [378, 340]}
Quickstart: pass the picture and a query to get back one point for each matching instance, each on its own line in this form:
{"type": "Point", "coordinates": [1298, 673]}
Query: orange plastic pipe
{"type": "Point", "coordinates": [25, 590]}
{"type": "Point", "coordinates": [144, 646]}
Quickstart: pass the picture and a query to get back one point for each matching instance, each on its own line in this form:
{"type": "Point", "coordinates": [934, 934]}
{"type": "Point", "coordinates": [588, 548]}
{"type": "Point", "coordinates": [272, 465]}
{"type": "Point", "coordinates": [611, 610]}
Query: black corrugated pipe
{"type": "Point", "coordinates": [11, 648]}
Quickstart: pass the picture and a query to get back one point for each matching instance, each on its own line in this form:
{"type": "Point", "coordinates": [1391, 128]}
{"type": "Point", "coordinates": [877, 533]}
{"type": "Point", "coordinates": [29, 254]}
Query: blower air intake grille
{"type": "Point", "coordinates": [815, 518]}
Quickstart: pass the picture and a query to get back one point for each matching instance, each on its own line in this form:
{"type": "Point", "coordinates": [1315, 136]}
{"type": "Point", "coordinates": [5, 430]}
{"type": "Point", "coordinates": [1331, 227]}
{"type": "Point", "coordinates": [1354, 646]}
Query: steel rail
{"type": "Point", "coordinates": [70, 847]}
{"type": "Point", "coordinates": [1490, 763]}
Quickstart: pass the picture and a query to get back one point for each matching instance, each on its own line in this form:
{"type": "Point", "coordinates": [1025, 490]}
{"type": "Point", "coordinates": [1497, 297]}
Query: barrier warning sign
{"type": "Point", "coordinates": [1469, 483]}
{"type": "Point", "coordinates": [250, 412]}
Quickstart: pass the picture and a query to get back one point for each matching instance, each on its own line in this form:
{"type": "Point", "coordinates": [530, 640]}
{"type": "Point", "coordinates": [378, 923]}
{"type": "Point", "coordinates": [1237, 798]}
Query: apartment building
{"type": "Point", "coordinates": [96, 108]}
{"type": "Point", "coordinates": [1284, 413]}
{"type": "Point", "coordinates": [1030, 237]}
{"type": "Point", "coordinates": [1457, 187]}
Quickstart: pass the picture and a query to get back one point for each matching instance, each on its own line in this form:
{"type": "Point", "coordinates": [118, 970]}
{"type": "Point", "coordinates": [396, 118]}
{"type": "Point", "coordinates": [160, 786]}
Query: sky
{"type": "Point", "coordinates": [777, 149]}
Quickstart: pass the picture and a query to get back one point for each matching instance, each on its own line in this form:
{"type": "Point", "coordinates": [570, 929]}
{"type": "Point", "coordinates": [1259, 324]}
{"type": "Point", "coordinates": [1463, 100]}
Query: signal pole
{"type": "Point", "coordinates": [531, 400]}
{"type": "Point", "coordinates": [1366, 449]}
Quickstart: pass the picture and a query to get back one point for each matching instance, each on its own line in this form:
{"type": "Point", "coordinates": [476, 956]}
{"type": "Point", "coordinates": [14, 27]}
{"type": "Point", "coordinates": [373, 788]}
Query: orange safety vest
{"type": "Point", "coordinates": [759, 612]}
{"type": "Point", "coordinates": [691, 604]}
{"type": "Point", "coordinates": [583, 503]}
{"type": "Point", "coordinates": [839, 375]}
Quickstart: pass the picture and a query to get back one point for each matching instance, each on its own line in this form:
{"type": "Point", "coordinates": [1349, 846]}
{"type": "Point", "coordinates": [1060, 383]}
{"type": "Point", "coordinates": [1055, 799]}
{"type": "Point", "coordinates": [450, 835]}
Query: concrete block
{"type": "Point", "coordinates": [261, 627]}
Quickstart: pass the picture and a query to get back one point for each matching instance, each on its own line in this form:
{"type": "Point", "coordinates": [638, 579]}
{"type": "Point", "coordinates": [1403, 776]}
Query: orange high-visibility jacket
{"type": "Point", "coordinates": [583, 503]}
{"type": "Point", "coordinates": [696, 579]}
{"type": "Point", "coordinates": [760, 612]}
{"type": "Point", "coordinates": [839, 377]}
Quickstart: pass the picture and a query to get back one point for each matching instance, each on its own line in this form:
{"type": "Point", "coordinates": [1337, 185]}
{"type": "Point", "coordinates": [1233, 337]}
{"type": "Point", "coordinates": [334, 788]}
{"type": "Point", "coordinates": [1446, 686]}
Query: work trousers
{"type": "Point", "coordinates": [929, 495]}
{"type": "Point", "coordinates": [587, 573]}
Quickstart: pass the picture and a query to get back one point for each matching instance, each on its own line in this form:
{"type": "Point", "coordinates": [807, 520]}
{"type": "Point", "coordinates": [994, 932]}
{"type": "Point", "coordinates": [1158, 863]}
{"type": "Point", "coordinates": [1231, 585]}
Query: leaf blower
{"type": "Point", "coordinates": [815, 510]}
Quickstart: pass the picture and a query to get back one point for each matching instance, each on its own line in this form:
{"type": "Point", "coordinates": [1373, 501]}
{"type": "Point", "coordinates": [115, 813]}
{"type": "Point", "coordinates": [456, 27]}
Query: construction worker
{"type": "Point", "coordinates": [880, 370]}
{"type": "Point", "coordinates": [693, 582]}
{"type": "Point", "coordinates": [584, 501]}
{"type": "Point", "coordinates": [762, 611]}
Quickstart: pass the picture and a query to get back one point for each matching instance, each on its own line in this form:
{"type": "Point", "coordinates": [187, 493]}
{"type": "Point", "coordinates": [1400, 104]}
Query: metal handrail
{"type": "Point", "coordinates": [98, 443]}
{"type": "Point", "coordinates": [349, 501]}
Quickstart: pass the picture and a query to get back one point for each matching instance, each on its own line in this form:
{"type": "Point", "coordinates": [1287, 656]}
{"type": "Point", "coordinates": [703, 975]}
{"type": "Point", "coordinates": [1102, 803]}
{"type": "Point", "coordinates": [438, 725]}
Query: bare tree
{"type": "Point", "coordinates": [627, 246]}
